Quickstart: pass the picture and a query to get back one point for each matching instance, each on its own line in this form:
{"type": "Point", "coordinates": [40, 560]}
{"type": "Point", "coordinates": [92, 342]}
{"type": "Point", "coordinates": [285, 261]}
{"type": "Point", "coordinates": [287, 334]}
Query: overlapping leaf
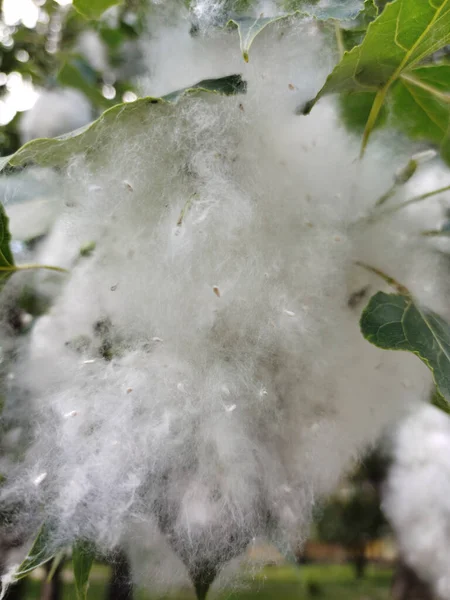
{"type": "Point", "coordinates": [341, 10]}
{"type": "Point", "coordinates": [421, 105]}
{"type": "Point", "coordinates": [250, 27]}
{"type": "Point", "coordinates": [56, 151]}
{"type": "Point", "coordinates": [93, 9]}
{"type": "Point", "coordinates": [354, 32]}
{"type": "Point", "coordinates": [77, 74]}
{"type": "Point", "coordinates": [397, 322]}
{"type": "Point", "coordinates": [6, 258]}
{"type": "Point", "coordinates": [40, 552]}
{"type": "Point", "coordinates": [82, 559]}
{"type": "Point", "coordinates": [405, 33]}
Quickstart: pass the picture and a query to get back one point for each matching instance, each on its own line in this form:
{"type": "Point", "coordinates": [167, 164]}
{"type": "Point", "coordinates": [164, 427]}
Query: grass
{"type": "Point", "coordinates": [324, 582]}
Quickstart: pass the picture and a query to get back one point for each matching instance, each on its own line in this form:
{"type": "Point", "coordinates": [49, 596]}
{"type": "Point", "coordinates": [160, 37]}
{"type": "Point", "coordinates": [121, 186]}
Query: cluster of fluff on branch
{"type": "Point", "coordinates": [416, 493]}
{"type": "Point", "coordinates": [202, 374]}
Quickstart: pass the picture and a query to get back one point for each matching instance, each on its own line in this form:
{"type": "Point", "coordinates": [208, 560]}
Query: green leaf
{"type": "Point", "coordinates": [82, 559]}
{"type": "Point", "coordinates": [404, 34]}
{"type": "Point", "coordinates": [56, 151]}
{"type": "Point", "coordinates": [40, 553]}
{"type": "Point", "coordinates": [249, 27]}
{"type": "Point", "coordinates": [56, 563]}
{"type": "Point", "coordinates": [77, 74]}
{"type": "Point", "coordinates": [7, 265]}
{"type": "Point", "coordinates": [355, 110]}
{"type": "Point", "coordinates": [421, 105]}
{"type": "Point", "coordinates": [93, 9]}
{"type": "Point", "coordinates": [370, 11]}
{"type": "Point", "coordinates": [353, 34]}
{"type": "Point", "coordinates": [397, 322]}
{"type": "Point", "coordinates": [439, 402]}
{"type": "Point", "coordinates": [6, 257]}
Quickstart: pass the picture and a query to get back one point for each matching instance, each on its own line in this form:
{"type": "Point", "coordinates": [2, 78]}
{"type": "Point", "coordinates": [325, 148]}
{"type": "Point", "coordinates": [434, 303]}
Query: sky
{"type": "Point", "coordinates": [24, 11]}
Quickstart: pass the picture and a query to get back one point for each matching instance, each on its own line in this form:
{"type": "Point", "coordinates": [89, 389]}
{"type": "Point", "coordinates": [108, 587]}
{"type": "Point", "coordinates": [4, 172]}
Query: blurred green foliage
{"type": "Point", "coordinates": [328, 582]}
{"type": "Point", "coordinates": [48, 55]}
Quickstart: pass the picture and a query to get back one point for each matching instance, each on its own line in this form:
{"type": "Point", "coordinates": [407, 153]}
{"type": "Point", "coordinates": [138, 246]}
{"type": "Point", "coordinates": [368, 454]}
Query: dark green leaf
{"type": "Point", "coordinates": [396, 322]}
{"type": "Point", "coordinates": [93, 9]}
{"type": "Point", "coordinates": [404, 34]}
{"type": "Point", "coordinates": [6, 257]}
{"type": "Point", "coordinates": [354, 33]}
{"type": "Point", "coordinates": [355, 110]}
{"type": "Point", "coordinates": [77, 74]}
{"type": "Point", "coordinates": [41, 552]}
{"type": "Point", "coordinates": [225, 86]}
{"type": "Point", "coordinates": [370, 11]}
{"type": "Point", "coordinates": [56, 151]}
{"type": "Point", "coordinates": [82, 559]}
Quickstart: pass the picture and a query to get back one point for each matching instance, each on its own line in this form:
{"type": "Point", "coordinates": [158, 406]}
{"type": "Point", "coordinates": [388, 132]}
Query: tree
{"type": "Point", "coordinates": [353, 517]}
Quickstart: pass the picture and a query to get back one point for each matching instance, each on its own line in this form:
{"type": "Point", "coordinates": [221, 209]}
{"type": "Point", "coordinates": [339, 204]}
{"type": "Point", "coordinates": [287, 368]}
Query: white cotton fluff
{"type": "Point", "coordinates": [55, 112]}
{"type": "Point", "coordinates": [93, 49]}
{"type": "Point", "coordinates": [202, 373]}
{"type": "Point", "coordinates": [417, 492]}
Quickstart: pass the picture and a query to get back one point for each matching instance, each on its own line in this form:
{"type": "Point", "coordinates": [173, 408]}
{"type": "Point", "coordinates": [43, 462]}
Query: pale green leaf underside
{"type": "Point", "coordinates": [56, 151]}
{"type": "Point", "coordinates": [40, 553]}
{"type": "Point", "coordinates": [404, 34]}
{"type": "Point", "coordinates": [249, 27]}
{"type": "Point", "coordinates": [397, 322]}
{"type": "Point", "coordinates": [93, 9]}
{"type": "Point", "coordinates": [340, 10]}
{"type": "Point", "coordinates": [82, 560]}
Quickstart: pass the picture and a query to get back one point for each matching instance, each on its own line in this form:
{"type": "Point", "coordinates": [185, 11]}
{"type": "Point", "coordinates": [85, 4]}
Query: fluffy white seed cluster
{"type": "Point", "coordinates": [416, 495]}
{"type": "Point", "coordinates": [202, 373]}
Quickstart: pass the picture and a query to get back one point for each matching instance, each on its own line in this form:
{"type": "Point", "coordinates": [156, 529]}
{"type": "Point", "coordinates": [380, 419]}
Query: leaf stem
{"type": "Point", "coordinates": [414, 200]}
{"type": "Point", "coordinates": [373, 116]}
{"type": "Point", "coordinates": [443, 96]}
{"type": "Point", "coordinates": [432, 233]}
{"type": "Point", "coordinates": [399, 287]}
{"type": "Point", "coordinates": [14, 268]}
{"type": "Point", "coordinates": [339, 39]}
{"type": "Point", "coordinates": [186, 208]}
{"type": "Point", "coordinates": [55, 564]}
{"type": "Point", "coordinates": [387, 195]}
